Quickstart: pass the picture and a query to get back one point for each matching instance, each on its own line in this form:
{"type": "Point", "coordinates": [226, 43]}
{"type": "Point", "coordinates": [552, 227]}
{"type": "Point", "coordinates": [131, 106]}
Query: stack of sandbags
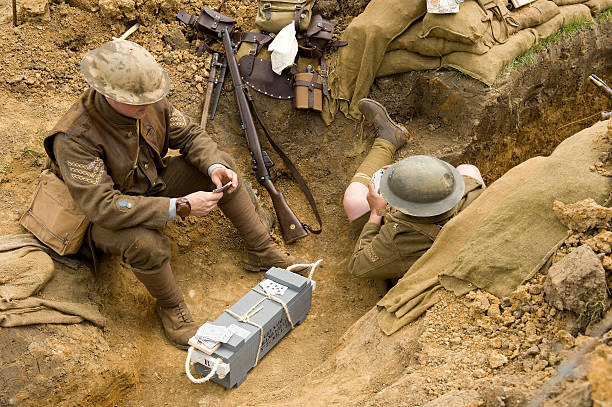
{"type": "Point", "coordinates": [473, 40]}
{"type": "Point", "coordinates": [476, 41]}
{"type": "Point", "coordinates": [568, 15]}
{"type": "Point", "coordinates": [596, 6]}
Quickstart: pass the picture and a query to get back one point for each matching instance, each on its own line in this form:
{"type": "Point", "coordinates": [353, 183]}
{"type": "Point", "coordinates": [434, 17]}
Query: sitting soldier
{"type": "Point", "coordinates": [110, 150]}
{"type": "Point", "coordinates": [417, 196]}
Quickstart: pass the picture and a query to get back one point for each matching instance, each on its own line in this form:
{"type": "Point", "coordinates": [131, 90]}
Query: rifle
{"type": "Point", "coordinates": [606, 90]}
{"type": "Point", "coordinates": [291, 227]}
{"type": "Point", "coordinates": [212, 72]}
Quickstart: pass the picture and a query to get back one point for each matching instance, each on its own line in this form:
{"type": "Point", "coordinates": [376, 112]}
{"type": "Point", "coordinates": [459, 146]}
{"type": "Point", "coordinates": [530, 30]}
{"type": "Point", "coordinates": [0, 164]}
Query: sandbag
{"type": "Point", "coordinates": [24, 266]}
{"type": "Point", "coordinates": [486, 67]}
{"type": "Point", "coordinates": [26, 270]}
{"type": "Point", "coordinates": [400, 61]}
{"type": "Point", "coordinates": [467, 26]}
{"type": "Point", "coordinates": [598, 6]}
{"type": "Point", "coordinates": [434, 47]}
{"type": "Point", "coordinates": [506, 235]}
{"type": "Point", "coordinates": [355, 66]}
{"type": "Point", "coordinates": [550, 27]}
{"type": "Point", "coordinates": [567, 2]}
{"type": "Point", "coordinates": [535, 13]}
{"type": "Point", "coordinates": [575, 12]}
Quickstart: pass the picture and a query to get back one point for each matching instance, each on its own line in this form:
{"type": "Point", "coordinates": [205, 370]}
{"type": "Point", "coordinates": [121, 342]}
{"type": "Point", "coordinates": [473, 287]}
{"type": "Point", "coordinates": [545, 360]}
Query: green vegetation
{"type": "Point", "coordinates": [605, 16]}
{"type": "Point", "coordinates": [457, 74]}
{"type": "Point", "coordinates": [530, 57]}
{"type": "Point", "coordinates": [594, 311]}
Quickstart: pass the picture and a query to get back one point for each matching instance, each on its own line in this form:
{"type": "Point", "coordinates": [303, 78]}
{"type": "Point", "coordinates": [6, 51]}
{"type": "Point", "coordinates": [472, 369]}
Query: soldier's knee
{"type": "Point", "coordinates": [149, 250]}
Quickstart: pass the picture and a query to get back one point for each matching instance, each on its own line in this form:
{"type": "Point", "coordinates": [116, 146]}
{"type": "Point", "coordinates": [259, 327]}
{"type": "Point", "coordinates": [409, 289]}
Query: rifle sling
{"type": "Point", "coordinates": [294, 172]}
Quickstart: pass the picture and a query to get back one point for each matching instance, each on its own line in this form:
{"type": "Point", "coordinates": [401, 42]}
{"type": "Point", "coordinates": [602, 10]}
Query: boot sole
{"type": "Point", "coordinates": [399, 126]}
{"type": "Point", "coordinates": [254, 269]}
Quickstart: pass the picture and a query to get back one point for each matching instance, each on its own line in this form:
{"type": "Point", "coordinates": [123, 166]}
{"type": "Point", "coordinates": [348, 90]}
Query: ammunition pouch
{"type": "Point", "coordinates": [209, 23]}
{"type": "Point", "coordinates": [317, 37]}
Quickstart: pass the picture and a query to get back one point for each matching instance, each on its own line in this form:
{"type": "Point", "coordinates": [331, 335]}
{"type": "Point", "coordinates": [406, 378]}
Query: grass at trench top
{"type": "Point", "coordinates": [577, 25]}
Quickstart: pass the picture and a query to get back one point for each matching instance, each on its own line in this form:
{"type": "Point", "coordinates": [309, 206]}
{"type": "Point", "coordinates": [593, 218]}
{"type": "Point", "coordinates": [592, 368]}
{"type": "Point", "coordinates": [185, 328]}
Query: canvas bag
{"type": "Point", "coordinates": [273, 15]}
{"type": "Point", "coordinates": [53, 217]}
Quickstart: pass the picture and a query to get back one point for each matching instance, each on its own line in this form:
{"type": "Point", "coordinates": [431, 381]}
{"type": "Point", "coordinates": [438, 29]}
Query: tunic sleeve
{"type": "Point", "coordinates": [93, 191]}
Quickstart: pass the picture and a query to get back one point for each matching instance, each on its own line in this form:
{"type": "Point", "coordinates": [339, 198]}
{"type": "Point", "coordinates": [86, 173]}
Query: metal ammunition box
{"type": "Point", "coordinates": [240, 353]}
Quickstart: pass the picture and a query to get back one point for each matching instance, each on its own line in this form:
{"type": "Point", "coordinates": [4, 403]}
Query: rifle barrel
{"type": "Point", "coordinates": [290, 226]}
{"type": "Point", "coordinates": [601, 85]}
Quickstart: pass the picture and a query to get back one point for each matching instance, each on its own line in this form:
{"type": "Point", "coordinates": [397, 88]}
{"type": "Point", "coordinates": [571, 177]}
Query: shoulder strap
{"type": "Point", "coordinates": [294, 172]}
{"type": "Point", "coordinates": [430, 230]}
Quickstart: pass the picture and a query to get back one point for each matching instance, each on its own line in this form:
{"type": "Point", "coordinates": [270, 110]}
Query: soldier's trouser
{"type": "Point", "coordinates": [148, 250]}
{"type": "Point", "coordinates": [379, 155]}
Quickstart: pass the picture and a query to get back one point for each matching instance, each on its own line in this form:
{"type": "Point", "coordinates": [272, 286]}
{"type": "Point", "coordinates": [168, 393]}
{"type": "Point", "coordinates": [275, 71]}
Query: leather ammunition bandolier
{"type": "Point", "coordinates": [117, 145]}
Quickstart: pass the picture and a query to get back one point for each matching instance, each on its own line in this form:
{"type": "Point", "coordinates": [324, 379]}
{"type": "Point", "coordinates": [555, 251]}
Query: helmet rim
{"type": "Point", "coordinates": [93, 70]}
{"type": "Point", "coordinates": [422, 209]}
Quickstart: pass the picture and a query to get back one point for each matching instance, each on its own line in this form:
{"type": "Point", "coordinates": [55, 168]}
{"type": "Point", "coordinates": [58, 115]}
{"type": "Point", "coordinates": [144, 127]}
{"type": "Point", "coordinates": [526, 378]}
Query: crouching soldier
{"type": "Point", "coordinates": [400, 220]}
{"type": "Point", "coordinates": [110, 150]}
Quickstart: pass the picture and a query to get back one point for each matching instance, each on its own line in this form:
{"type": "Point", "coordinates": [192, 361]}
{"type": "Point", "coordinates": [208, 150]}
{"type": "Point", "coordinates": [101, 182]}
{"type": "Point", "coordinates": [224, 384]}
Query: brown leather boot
{"type": "Point", "coordinates": [178, 324]}
{"type": "Point", "coordinates": [262, 252]}
{"type": "Point", "coordinates": [386, 128]}
{"type": "Point", "coordinates": [265, 216]}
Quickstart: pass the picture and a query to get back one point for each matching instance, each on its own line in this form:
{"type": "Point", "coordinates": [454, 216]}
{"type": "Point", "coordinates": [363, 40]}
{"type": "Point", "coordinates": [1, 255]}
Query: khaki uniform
{"type": "Point", "coordinates": [117, 173]}
{"type": "Point", "coordinates": [389, 250]}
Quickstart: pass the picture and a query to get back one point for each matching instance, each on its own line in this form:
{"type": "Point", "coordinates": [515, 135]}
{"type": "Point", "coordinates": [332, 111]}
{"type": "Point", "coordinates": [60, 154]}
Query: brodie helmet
{"type": "Point", "coordinates": [422, 186]}
{"type": "Point", "coordinates": [125, 72]}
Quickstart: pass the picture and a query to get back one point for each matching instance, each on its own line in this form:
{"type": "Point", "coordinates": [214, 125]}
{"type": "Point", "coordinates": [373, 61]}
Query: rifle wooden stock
{"type": "Point", "coordinates": [290, 226]}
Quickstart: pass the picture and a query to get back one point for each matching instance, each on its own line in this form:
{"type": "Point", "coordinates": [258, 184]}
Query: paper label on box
{"type": "Point", "coordinates": [241, 332]}
{"type": "Point", "coordinates": [213, 333]}
{"type": "Point", "coordinates": [272, 287]}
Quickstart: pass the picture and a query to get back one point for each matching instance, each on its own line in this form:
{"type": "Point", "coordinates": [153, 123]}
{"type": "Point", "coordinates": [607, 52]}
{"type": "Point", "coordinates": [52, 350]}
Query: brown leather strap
{"type": "Point", "coordinates": [296, 18]}
{"type": "Point", "coordinates": [324, 74]}
{"type": "Point", "coordinates": [294, 171]}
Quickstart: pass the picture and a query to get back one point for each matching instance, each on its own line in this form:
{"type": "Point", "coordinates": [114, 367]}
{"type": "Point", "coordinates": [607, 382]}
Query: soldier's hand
{"type": "Point", "coordinates": [375, 199]}
{"type": "Point", "coordinates": [221, 176]}
{"type": "Point", "coordinates": [203, 202]}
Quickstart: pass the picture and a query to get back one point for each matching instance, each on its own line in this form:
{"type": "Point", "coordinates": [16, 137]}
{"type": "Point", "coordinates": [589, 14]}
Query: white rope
{"type": "Point", "coordinates": [281, 302]}
{"type": "Point", "coordinates": [206, 378]}
{"type": "Point", "coordinates": [312, 266]}
{"type": "Point", "coordinates": [246, 318]}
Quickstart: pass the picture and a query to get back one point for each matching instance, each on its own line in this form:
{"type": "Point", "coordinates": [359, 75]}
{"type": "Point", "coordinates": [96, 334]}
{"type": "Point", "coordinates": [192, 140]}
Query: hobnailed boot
{"type": "Point", "coordinates": [386, 128]}
{"type": "Point", "coordinates": [262, 252]}
{"type": "Point", "coordinates": [178, 324]}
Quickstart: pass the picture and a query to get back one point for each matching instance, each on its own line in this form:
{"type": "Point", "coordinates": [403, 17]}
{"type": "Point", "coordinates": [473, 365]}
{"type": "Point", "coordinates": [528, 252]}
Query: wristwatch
{"type": "Point", "coordinates": [183, 207]}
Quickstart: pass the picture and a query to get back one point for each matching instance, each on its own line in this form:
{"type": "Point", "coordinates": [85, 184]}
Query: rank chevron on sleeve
{"type": "Point", "coordinates": [90, 173]}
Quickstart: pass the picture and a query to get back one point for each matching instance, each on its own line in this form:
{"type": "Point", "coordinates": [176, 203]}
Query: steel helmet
{"type": "Point", "coordinates": [422, 186]}
{"type": "Point", "coordinates": [125, 72]}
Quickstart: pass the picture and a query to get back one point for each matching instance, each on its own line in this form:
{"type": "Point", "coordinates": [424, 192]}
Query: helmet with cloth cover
{"type": "Point", "coordinates": [422, 186]}
{"type": "Point", "coordinates": [125, 72]}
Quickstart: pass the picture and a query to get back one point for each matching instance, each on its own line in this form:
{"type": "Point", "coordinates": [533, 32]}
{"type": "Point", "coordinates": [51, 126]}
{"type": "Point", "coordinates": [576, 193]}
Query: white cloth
{"type": "Point", "coordinates": [284, 48]}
